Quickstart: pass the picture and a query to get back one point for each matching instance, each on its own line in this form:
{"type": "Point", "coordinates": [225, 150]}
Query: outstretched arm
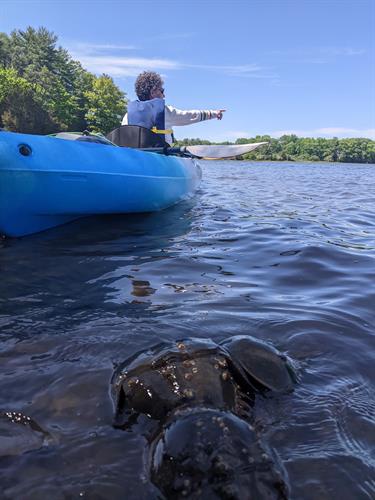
{"type": "Point", "coordinates": [176, 117]}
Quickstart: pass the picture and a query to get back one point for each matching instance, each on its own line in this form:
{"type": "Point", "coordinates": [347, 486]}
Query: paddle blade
{"type": "Point", "coordinates": [214, 152]}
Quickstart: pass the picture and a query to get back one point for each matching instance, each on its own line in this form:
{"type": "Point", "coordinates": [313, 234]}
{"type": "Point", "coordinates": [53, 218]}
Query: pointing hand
{"type": "Point", "coordinates": [220, 113]}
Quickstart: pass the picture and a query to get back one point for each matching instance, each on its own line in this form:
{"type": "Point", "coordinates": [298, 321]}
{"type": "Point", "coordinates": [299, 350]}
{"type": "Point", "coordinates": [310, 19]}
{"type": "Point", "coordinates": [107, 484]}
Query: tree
{"type": "Point", "coordinates": [21, 105]}
{"type": "Point", "coordinates": [4, 50]}
{"type": "Point", "coordinates": [106, 105]}
{"type": "Point", "coordinates": [31, 50]}
{"type": "Point", "coordinates": [356, 151]}
{"type": "Point", "coordinates": [73, 98]}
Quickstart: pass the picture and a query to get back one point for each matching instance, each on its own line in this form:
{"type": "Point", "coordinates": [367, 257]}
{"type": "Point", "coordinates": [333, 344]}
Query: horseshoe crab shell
{"type": "Point", "coordinates": [257, 361]}
{"type": "Point", "coordinates": [168, 376]}
{"type": "Point", "coordinates": [196, 372]}
{"type": "Point", "coordinates": [212, 454]}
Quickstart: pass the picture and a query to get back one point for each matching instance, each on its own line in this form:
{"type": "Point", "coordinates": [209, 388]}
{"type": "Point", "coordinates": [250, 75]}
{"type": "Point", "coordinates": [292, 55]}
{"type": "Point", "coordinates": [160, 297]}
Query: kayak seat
{"type": "Point", "coordinates": [133, 136]}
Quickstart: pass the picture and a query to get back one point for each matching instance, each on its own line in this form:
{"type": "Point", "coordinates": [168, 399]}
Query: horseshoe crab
{"type": "Point", "coordinates": [20, 434]}
{"type": "Point", "coordinates": [200, 396]}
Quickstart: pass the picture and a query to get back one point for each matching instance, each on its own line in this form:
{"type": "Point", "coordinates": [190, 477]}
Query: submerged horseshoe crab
{"type": "Point", "coordinates": [200, 395]}
{"type": "Point", "coordinates": [20, 434]}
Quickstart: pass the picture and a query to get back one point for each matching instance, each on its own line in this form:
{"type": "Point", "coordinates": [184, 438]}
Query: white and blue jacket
{"type": "Point", "coordinates": [155, 114]}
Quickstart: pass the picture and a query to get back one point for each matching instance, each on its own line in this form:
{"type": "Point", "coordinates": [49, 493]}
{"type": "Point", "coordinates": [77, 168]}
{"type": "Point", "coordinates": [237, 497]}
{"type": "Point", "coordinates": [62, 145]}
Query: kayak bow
{"type": "Point", "coordinates": [47, 181]}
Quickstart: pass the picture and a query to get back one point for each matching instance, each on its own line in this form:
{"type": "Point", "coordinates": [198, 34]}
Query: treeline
{"type": "Point", "coordinates": [293, 148]}
{"type": "Point", "coordinates": [43, 90]}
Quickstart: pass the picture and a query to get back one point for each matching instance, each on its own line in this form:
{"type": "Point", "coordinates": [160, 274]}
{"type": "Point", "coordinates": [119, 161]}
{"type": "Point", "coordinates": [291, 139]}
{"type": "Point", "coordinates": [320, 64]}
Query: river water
{"type": "Point", "coordinates": [282, 252]}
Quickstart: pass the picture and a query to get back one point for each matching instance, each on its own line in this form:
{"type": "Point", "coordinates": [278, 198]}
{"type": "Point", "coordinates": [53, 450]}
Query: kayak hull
{"type": "Point", "coordinates": [45, 182]}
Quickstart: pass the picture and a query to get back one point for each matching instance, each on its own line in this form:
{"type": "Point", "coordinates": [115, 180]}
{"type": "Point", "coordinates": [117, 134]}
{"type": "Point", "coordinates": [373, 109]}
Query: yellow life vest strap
{"type": "Point", "coordinates": [156, 131]}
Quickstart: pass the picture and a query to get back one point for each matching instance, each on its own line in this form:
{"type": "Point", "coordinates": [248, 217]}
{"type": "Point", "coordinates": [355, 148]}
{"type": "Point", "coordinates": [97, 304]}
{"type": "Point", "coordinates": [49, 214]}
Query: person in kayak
{"type": "Point", "coordinates": [150, 110]}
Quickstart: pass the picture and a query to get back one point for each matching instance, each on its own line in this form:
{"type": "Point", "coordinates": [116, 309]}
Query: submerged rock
{"type": "Point", "coordinates": [200, 395]}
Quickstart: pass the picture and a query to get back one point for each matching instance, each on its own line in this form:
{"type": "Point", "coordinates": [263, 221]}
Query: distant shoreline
{"type": "Point", "coordinates": [304, 149]}
{"type": "Point", "coordinates": [308, 162]}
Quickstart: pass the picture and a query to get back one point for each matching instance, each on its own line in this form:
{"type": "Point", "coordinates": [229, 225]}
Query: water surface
{"type": "Point", "coordinates": [283, 252]}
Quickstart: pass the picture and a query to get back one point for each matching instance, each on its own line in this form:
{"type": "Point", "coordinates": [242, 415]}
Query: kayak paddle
{"type": "Point", "coordinates": [211, 152]}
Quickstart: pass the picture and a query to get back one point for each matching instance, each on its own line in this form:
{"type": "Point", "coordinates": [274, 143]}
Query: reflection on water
{"type": "Point", "coordinates": [282, 252]}
{"type": "Point", "coordinates": [142, 288]}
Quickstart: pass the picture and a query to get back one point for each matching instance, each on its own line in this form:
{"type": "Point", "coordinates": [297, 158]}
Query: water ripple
{"type": "Point", "coordinates": [283, 252]}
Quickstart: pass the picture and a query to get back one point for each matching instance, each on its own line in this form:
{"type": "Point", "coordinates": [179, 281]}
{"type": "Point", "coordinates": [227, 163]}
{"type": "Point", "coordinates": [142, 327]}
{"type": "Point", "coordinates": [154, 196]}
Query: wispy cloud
{"type": "Point", "coordinates": [316, 55]}
{"type": "Point", "coordinates": [92, 47]}
{"type": "Point", "coordinates": [124, 66]}
{"type": "Point", "coordinates": [340, 132]}
{"type": "Point", "coordinates": [241, 70]}
{"type": "Point", "coordinates": [343, 51]}
{"type": "Point", "coordinates": [105, 58]}
{"type": "Point", "coordinates": [172, 36]}
{"type": "Point", "coordinates": [245, 70]}
{"type": "Point", "coordinates": [130, 66]}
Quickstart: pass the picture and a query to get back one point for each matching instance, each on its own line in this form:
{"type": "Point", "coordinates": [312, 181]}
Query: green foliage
{"type": "Point", "coordinates": [191, 142]}
{"type": "Point", "coordinates": [292, 148]}
{"type": "Point", "coordinates": [105, 105]}
{"type": "Point", "coordinates": [357, 151]}
{"type": "Point", "coordinates": [48, 90]}
{"type": "Point", "coordinates": [31, 50]}
{"type": "Point", "coordinates": [4, 51]}
{"type": "Point", "coordinates": [21, 105]}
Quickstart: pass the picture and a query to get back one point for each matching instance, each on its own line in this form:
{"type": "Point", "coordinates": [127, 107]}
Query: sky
{"type": "Point", "coordinates": [278, 67]}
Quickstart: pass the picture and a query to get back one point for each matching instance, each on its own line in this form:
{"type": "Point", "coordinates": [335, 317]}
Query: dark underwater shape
{"type": "Point", "coordinates": [19, 434]}
{"type": "Point", "coordinates": [200, 394]}
{"type": "Point", "coordinates": [213, 454]}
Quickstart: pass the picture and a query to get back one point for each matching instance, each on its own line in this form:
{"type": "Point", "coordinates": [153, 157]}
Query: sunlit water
{"type": "Point", "coordinates": [284, 252]}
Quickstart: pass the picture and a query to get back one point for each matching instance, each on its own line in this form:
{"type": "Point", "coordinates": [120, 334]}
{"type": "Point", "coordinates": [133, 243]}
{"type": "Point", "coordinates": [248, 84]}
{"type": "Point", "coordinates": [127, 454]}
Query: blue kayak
{"type": "Point", "coordinates": [47, 181]}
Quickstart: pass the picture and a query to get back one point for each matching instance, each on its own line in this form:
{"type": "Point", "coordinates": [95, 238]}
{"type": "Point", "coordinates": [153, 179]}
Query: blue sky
{"type": "Point", "coordinates": [276, 66]}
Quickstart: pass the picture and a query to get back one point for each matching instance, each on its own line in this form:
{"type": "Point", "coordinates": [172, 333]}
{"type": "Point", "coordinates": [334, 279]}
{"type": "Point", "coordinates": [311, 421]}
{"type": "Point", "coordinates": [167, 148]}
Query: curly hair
{"type": "Point", "coordinates": [145, 82]}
